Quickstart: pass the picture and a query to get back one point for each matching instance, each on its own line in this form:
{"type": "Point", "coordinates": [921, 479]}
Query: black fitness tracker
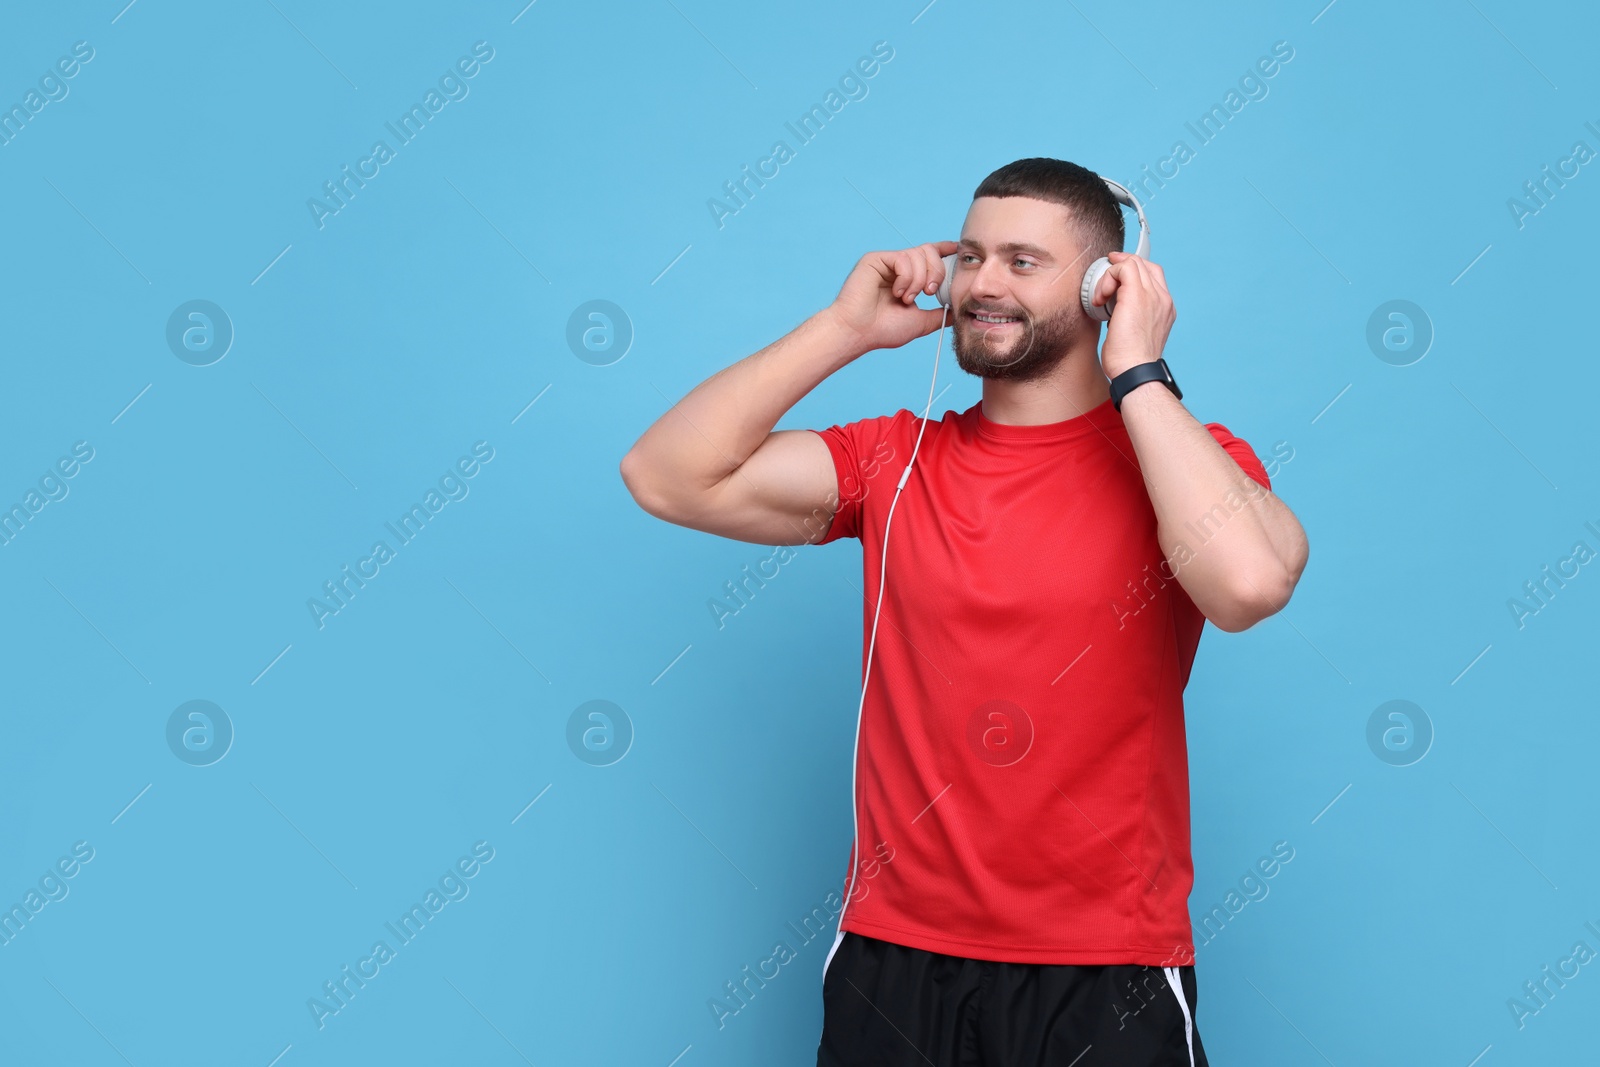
{"type": "Point", "coordinates": [1136, 376]}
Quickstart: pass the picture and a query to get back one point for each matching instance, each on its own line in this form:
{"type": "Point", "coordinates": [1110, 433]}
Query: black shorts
{"type": "Point", "coordinates": [887, 1005]}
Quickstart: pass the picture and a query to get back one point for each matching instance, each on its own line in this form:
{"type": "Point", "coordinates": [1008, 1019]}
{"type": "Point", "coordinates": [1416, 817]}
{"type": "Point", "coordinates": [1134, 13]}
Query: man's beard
{"type": "Point", "coordinates": [1038, 345]}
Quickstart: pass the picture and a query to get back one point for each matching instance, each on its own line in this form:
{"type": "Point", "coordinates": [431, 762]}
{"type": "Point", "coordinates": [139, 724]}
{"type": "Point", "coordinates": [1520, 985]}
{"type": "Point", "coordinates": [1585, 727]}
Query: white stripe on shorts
{"type": "Point", "coordinates": [1188, 1023]}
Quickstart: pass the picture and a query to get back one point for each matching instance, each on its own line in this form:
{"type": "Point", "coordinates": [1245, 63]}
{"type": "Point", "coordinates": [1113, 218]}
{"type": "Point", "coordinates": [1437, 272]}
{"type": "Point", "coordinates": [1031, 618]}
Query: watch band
{"type": "Point", "coordinates": [1156, 371]}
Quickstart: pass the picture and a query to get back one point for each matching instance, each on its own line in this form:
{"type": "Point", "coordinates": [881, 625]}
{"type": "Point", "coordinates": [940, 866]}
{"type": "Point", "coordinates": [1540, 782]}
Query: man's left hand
{"type": "Point", "coordinates": [1137, 332]}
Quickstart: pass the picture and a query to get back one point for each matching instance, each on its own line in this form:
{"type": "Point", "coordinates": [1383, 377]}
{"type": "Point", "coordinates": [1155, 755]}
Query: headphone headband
{"type": "Point", "coordinates": [1123, 196]}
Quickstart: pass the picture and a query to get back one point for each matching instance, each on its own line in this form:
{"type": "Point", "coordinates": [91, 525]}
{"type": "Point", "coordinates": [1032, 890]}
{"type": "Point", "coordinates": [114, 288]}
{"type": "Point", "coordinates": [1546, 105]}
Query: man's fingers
{"type": "Point", "coordinates": [901, 265]}
{"type": "Point", "coordinates": [1136, 272]}
{"type": "Point", "coordinates": [916, 275]}
{"type": "Point", "coordinates": [1110, 282]}
{"type": "Point", "coordinates": [1135, 267]}
{"type": "Point", "coordinates": [920, 269]}
{"type": "Point", "coordinates": [934, 260]}
{"type": "Point", "coordinates": [1129, 272]}
{"type": "Point", "coordinates": [1148, 270]}
{"type": "Point", "coordinates": [912, 272]}
{"type": "Point", "coordinates": [1150, 276]}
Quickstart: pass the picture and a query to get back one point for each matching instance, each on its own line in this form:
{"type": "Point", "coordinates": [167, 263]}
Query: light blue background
{"type": "Point", "coordinates": [427, 315]}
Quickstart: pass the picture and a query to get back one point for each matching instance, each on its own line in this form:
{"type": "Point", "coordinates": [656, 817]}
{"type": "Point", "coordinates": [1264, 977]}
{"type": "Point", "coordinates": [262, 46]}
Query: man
{"type": "Point", "coordinates": [1021, 882]}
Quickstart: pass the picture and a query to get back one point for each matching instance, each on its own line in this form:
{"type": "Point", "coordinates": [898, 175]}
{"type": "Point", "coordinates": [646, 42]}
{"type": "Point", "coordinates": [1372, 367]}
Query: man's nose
{"type": "Point", "coordinates": [986, 280]}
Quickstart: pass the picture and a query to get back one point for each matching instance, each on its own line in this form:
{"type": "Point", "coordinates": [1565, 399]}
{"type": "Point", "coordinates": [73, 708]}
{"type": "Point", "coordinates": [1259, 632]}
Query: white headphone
{"type": "Point", "coordinates": [1091, 277]}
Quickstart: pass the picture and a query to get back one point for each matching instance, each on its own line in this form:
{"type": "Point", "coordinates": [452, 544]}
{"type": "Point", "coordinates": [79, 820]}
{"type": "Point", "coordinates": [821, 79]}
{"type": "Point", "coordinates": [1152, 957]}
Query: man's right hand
{"type": "Point", "coordinates": [877, 304]}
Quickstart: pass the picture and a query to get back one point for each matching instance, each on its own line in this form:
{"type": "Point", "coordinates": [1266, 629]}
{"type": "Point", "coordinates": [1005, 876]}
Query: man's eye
{"type": "Point", "coordinates": [967, 256]}
{"type": "Point", "coordinates": [1024, 262]}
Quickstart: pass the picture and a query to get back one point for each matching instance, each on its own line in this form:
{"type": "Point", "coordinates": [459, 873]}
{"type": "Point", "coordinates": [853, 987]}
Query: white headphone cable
{"type": "Point", "coordinates": [883, 565]}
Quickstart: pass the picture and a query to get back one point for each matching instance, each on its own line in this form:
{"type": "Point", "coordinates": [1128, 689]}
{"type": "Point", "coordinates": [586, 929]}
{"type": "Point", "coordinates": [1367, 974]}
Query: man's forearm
{"type": "Point", "coordinates": [1236, 548]}
{"type": "Point", "coordinates": [705, 436]}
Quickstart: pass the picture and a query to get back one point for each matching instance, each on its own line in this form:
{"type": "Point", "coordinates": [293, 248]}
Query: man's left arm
{"type": "Point", "coordinates": [1252, 557]}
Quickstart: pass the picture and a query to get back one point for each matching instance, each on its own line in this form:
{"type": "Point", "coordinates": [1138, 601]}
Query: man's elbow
{"type": "Point", "coordinates": [640, 486]}
{"type": "Point", "coordinates": [1257, 597]}
{"type": "Point", "coordinates": [662, 494]}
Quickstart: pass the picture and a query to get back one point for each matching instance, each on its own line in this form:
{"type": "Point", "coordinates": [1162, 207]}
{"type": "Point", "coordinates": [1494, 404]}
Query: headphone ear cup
{"type": "Point", "coordinates": [943, 295]}
{"type": "Point", "coordinates": [1091, 278]}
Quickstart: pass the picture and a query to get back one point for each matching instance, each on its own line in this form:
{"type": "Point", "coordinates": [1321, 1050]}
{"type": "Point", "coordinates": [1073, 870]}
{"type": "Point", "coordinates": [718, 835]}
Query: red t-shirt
{"type": "Point", "coordinates": [1023, 776]}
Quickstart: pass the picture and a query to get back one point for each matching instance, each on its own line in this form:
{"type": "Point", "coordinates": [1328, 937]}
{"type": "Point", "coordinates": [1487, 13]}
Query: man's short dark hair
{"type": "Point", "coordinates": [1096, 215]}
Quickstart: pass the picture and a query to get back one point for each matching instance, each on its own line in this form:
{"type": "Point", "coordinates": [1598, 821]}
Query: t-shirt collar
{"type": "Point", "coordinates": [1097, 419]}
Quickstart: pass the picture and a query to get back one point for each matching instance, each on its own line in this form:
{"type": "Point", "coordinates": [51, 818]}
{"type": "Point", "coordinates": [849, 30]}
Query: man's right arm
{"type": "Point", "coordinates": [713, 462]}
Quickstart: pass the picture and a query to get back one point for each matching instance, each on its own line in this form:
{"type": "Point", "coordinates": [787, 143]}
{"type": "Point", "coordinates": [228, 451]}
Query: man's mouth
{"type": "Point", "coordinates": [993, 321]}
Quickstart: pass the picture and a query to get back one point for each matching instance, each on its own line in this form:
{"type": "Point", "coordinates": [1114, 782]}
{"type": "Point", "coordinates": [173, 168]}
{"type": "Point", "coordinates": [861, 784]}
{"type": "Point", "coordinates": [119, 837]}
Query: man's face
{"type": "Point", "coordinates": [1015, 292]}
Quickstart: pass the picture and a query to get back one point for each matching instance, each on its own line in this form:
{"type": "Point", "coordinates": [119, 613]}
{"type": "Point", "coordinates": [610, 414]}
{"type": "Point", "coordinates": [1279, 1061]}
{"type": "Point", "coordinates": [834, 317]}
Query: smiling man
{"type": "Point", "coordinates": [1021, 883]}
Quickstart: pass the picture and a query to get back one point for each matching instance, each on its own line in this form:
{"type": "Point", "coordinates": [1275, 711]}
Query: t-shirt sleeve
{"type": "Point", "coordinates": [861, 452]}
{"type": "Point", "coordinates": [1241, 452]}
